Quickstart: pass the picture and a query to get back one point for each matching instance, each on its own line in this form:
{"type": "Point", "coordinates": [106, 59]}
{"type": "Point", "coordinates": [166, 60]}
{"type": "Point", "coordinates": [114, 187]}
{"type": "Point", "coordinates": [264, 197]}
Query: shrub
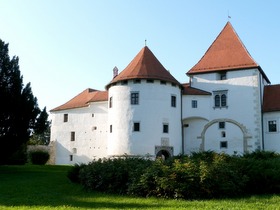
{"type": "Point", "coordinates": [113, 175]}
{"type": "Point", "coordinates": [39, 157]}
{"type": "Point", "coordinates": [198, 176]}
{"type": "Point", "coordinates": [74, 173]}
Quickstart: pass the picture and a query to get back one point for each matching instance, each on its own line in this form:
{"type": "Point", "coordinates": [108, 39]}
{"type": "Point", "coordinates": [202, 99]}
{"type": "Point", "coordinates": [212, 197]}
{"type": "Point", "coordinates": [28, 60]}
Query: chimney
{"type": "Point", "coordinates": [115, 72]}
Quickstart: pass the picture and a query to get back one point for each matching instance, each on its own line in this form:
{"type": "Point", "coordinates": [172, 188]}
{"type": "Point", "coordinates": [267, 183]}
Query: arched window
{"type": "Point", "coordinates": [217, 100]}
{"type": "Point", "coordinates": [223, 100]}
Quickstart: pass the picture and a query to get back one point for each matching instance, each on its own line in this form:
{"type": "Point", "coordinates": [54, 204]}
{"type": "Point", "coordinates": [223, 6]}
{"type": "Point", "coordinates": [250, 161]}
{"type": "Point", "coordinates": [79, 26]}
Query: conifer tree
{"type": "Point", "coordinates": [18, 110]}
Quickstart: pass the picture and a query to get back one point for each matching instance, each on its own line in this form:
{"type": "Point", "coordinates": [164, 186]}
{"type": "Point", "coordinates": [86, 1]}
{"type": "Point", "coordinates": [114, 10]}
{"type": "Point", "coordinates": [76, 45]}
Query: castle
{"type": "Point", "coordinates": [228, 106]}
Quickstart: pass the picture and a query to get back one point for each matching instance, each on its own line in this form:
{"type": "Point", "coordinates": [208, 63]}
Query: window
{"type": "Point", "coordinates": [223, 134]}
{"type": "Point", "coordinates": [150, 81]}
{"type": "Point", "coordinates": [65, 118]}
{"type": "Point", "coordinates": [223, 144]}
{"type": "Point", "coordinates": [223, 100]}
{"type": "Point", "coordinates": [136, 126]}
{"type": "Point", "coordinates": [134, 98]}
{"type": "Point", "coordinates": [222, 76]}
{"type": "Point", "coordinates": [165, 128]}
{"type": "Point", "coordinates": [124, 82]}
{"type": "Point", "coordinates": [194, 103]}
{"type": "Point", "coordinates": [222, 125]}
{"type": "Point", "coordinates": [111, 102]}
{"type": "Point", "coordinates": [111, 128]}
{"type": "Point", "coordinates": [137, 81]}
{"type": "Point", "coordinates": [162, 82]}
{"type": "Point", "coordinates": [272, 126]}
{"type": "Point", "coordinates": [71, 157]}
{"type": "Point", "coordinates": [173, 101]}
{"type": "Point", "coordinates": [72, 136]}
{"type": "Point", "coordinates": [220, 99]}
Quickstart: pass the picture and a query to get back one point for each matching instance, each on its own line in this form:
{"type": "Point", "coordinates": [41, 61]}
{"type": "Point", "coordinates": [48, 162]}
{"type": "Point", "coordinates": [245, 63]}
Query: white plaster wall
{"type": "Point", "coordinates": [243, 99]}
{"type": "Point", "coordinates": [192, 130]}
{"type": "Point", "coordinates": [90, 127]}
{"type": "Point", "coordinates": [153, 110]}
{"type": "Point", "coordinates": [271, 139]}
{"type": "Point", "coordinates": [234, 138]}
{"type": "Point", "coordinates": [204, 106]}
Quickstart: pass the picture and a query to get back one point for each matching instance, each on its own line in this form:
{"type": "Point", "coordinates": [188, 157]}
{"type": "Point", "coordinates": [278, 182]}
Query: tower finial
{"type": "Point", "coordinates": [228, 16]}
{"type": "Point", "coordinates": [145, 42]}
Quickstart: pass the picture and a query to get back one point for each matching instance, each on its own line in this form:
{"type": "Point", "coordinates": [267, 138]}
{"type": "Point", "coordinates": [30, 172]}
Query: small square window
{"type": "Point", "coordinates": [223, 145]}
{"type": "Point", "coordinates": [165, 128]}
{"type": "Point", "coordinates": [272, 126]}
{"type": "Point", "coordinates": [162, 82]}
{"type": "Point", "coordinates": [137, 81]}
{"type": "Point", "coordinates": [124, 82]}
{"type": "Point", "coordinates": [222, 125]}
{"type": "Point", "coordinates": [65, 118]}
{"type": "Point", "coordinates": [72, 136]}
{"type": "Point", "coordinates": [150, 81]}
{"type": "Point", "coordinates": [173, 101]}
{"type": "Point", "coordinates": [222, 76]}
{"type": "Point", "coordinates": [136, 126]}
{"type": "Point", "coordinates": [194, 103]}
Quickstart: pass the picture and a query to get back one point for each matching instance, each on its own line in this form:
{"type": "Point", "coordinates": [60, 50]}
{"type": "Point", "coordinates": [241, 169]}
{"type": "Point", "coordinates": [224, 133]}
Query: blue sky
{"type": "Point", "coordinates": [66, 46]}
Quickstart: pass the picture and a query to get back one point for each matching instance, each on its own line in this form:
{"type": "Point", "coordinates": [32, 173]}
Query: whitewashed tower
{"type": "Point", "coordinates": [144, 109]}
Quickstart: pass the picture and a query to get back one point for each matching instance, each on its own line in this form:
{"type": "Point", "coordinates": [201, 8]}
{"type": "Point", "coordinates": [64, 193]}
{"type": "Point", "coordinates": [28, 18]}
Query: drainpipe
{"type": "Point", "coordinates": [182, 124]}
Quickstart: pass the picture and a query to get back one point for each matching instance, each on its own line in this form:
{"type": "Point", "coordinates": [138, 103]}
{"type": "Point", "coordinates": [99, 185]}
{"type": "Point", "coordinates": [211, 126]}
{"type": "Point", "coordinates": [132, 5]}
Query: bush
{"type": "Point", "coordinates": [198, 176]}
{"type": "Point", "coordinates": [113, 175]}
{"type": "Point", "coordinates": [39, 157]}
{"type": "Point", "coordinates": [74, 173]}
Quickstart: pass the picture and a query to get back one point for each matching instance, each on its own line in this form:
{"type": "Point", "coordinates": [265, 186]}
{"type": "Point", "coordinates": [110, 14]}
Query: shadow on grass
{"type": "Point", "coordinates": [48, 186]}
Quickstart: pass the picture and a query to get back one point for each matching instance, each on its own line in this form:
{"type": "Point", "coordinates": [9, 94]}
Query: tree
{"type": "Point", "coordinates": [41, 132]}
{"type": "Point", "coordinates": [18, 110]}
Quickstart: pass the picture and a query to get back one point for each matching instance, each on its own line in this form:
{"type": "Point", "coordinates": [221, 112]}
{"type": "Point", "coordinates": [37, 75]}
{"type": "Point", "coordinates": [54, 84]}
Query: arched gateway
{"type": "Point", "coordinates": [243, 129]}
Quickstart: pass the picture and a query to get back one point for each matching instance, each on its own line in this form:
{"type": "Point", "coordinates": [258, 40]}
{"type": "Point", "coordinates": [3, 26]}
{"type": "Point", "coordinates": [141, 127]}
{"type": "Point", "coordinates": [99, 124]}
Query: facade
{"type": "Point", "coordinates": [227, 106]}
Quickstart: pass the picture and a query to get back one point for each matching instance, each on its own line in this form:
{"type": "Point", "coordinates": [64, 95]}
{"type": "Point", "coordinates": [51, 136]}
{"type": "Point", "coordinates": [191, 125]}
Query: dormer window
{"type": "Point", "coordinates": [222, 76]}
{"type": "Point", "coordinates": [124, 82]}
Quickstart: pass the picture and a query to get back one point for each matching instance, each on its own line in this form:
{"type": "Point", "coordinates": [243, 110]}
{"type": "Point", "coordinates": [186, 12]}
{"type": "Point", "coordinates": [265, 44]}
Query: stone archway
{"type": "Point", "coordinates": [243, 129]}
{"type": "Point", "coordinates": [163, 152]}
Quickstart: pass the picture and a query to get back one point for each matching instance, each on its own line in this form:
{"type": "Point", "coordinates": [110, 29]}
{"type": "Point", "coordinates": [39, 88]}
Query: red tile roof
{"type": "Point", "coordinates": [271, 101]}
{"type": "Point", "coordinates": [227, 52]}
{"type": "Point", "coordinates": [188, 90]}
{"type": "Point", "coordinates": [83, 99]}
{"type": "Point", "coordinates": [144, 66]}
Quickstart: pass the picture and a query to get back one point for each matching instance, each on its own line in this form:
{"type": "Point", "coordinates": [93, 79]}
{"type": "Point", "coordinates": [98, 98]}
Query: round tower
{"type": "Point", "coordinates": [144, 114]}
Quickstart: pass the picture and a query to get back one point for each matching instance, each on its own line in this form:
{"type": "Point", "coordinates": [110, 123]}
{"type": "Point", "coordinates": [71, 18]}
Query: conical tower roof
{"type": "Point", "coordinates": [227, 52]}
{"type": "Point", "coordinates": [144, 66]}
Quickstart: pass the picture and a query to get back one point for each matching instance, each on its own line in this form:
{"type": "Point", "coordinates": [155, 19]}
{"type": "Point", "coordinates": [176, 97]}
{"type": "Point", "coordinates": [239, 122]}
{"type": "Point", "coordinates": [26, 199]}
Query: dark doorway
{"type": "Point", "coordinates": [163, 154]}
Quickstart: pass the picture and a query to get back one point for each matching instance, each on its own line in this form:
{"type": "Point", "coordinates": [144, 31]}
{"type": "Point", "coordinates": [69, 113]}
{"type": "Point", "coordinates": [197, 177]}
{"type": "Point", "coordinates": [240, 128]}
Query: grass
{"type": "Point", "coordinates": [47, 187]}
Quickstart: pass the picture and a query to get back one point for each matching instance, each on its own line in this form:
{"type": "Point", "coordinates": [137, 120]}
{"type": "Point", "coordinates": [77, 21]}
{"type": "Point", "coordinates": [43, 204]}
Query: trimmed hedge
{"type": "Point", "coordinates": [198, 176]}
{"type": "Point", "coordinates": [39, 157]}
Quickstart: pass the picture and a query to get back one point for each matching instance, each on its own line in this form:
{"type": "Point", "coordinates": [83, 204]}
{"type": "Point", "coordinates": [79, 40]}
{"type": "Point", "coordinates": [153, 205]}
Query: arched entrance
{"type": "Point", "coordinates": [163, 154]}
{"type": "Point", "coordinates": [240, 126]}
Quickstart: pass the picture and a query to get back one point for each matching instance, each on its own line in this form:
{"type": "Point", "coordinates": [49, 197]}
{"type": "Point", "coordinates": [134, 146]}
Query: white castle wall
{"type": "Point", "coordinates": [272, 139]}
{"type": "Point", "coordinates": [153, 110]}
{"type": "Point", "coordinates": [244, 104]}
{"type": "Point", "coordinates": [90, 127]}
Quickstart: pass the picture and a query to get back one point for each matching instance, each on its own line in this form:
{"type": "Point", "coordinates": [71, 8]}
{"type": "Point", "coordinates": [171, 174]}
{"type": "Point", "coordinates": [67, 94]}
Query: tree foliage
{"type": "Point", "coordinates": [18, 109]}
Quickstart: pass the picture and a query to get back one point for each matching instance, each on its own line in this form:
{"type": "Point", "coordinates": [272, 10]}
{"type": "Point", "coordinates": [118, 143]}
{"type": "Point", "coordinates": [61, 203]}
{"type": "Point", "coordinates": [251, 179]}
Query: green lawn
{"type": "Point", "coordinates": [47, 187]}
